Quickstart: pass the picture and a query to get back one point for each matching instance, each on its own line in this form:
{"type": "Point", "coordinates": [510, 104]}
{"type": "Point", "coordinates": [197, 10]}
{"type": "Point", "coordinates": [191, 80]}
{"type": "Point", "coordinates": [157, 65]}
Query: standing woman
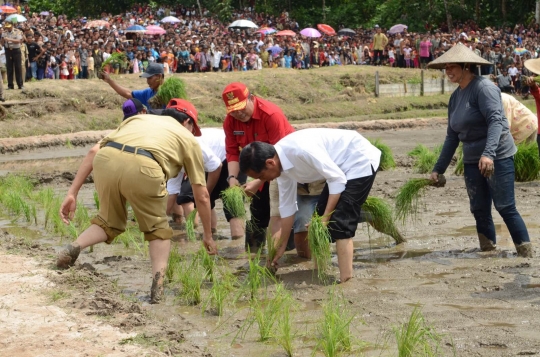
{"type": "Point", "coordinates": [476, 118]}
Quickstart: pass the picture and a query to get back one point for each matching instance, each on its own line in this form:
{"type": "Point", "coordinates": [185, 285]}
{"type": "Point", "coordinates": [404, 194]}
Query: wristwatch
{"type": "Point", "coordinates": [230, 177]}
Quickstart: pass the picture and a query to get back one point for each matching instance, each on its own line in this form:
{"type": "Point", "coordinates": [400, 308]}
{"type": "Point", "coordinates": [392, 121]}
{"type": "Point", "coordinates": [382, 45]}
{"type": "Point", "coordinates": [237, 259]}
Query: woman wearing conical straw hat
{"type": "Point", "coordinates": [533, 65]}
{"type": "Point", "coordinates": [476, 118]}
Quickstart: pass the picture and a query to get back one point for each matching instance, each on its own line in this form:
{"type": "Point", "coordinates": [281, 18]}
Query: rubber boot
{"type": "Point", "coordinates": [525, 250]}
{"type": "Point", "coordinates": [66, 257]}
{"type": "Point", "coordinates": [486, 245]}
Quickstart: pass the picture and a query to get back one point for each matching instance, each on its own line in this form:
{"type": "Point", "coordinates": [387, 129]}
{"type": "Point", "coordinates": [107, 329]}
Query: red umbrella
{"type": "Point", "coordinates": [326, 29]}
{"type": "Point", "coordinates": [8, 9]}
{"type": "Point", "coordinates": [286, 33]}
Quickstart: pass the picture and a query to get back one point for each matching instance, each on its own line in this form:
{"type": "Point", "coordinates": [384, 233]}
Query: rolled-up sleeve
{"type": "Point", "coordinates": [287, 196]}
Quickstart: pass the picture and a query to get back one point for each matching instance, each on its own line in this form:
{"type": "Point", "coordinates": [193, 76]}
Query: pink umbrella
{"type": "Point", "coordinates": [155, 30]}
{"type": "Point", "coordinates": [310, 32]}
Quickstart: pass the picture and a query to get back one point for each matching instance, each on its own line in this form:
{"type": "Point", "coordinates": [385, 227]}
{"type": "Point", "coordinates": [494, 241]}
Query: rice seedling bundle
{"type": "Point", "coordinates": [425, 159]}
{"type": "Point", "coordinates": [416, 338]}
{"type": "Point", "coordinates": [382, 217]}
{"type": "Point", "coordinates": [319, 244]}
{"type": "Point", "coordinates": [460, 166]}
{"type": "Point", "coordinates": [408, 198]}
{"type": "Point", "coordinates": [114, 58]}
{"type": "Point", "coordinates": [334, 328]}
{"type": "Point", "coordinates": [526, 162]}
{"type": "Point", "coordinates": [172, 87]}
{"type": "Point", "coordinates": [234, 201]}
{"type": "Point", "coordinates": [190, 226]}
{"type": "Point", "coordinates": [387, 157]}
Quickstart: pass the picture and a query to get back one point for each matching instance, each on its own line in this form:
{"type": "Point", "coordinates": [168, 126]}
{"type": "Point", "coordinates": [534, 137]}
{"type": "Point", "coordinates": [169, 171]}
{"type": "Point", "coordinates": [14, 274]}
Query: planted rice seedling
{"type": "Point", "coordinates": [416, 338]}
{"type": "Point", "coordinates": [191, 276]}
{"type": "Point", "coordinates": [425, 159]}
{"type": "Point", "coordinates": [17, 206]}
{"type": "Point", "coordinates": [319, 243]}
{"type": "Point", "coordinates": [271, 249]}
{"type": "Point", "coordinates": [172, 87]}
{"type": "Point", "coordinates": [258, 277]}
{"type": "Point", "coordinates": [190, 226]}
{"type": "Point", "coordinates": [387, 157]}
{"type": "Point", "coordinates": [526, 162]}
{"type": "Point", "coordinates": [285, 333]}
{"type": "Point", "coordinates": [334, 328]}
{"type": "Point", "coordinates": [219, 293]}
{"type": "Point", "coordinates": [381, 217]}
{"type": "Point", "coordinates": [132, 238]}
{"type": "Point", "coordinates": [207, 261]}
{"type": "Point", "coordinates": [175, 258]}
{"type": "Point", "coordinates": [266, 312]}
{"type": "Point", "coordinates": [408, 198]}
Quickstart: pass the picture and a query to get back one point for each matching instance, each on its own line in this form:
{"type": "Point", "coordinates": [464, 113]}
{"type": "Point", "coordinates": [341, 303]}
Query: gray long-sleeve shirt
{"type": "Point", "coordinates": [476, 118]}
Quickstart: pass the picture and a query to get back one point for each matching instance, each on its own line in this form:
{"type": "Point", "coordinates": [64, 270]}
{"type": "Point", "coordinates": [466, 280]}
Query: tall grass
{"type": "Point", "coordinates": [190, 226]}
{"type": "Point", "coordinates": [425, 159]}
{"type": "Point", "coordinates": [334, 329]}
{"type": "Point", "coordinates": [416, 338]}
{"type": "Point", "coordinates": [527, 162]}
{"type": "Point", "coordinates": [381, 217]}
{"type": "Point", "coordinates": [319, 243]}
{"type": "Point", "coordinates": [408, 198]}
{"type": "Point", "coordinates": [387, 157]}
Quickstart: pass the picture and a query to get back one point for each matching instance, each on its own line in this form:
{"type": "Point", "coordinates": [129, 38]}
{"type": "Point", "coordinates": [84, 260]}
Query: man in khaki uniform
{"type": "Point", "coordinates": [11, 40]}
{"type": "Point", "coordinates": [132, 164]}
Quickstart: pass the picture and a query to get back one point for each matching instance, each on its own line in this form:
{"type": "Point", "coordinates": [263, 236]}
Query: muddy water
{"type": "Point", "coordinates": [484, 304]}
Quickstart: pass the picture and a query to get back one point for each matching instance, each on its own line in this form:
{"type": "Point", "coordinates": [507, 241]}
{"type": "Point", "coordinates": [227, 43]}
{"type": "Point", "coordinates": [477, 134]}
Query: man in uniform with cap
{"type": "Point", "coordinates": [132, 165]}
{"type": "Point", "coordinates": [12, 40]}
{"type": "Point", "coordinates": [250, 119]}
{"type": "Point", "coordinates": [154, 77]}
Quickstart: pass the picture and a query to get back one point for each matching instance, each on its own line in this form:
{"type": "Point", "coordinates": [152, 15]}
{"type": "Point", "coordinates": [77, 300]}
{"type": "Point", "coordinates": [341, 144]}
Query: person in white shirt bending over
{"type": "Point", "coordinates": [345, 159]}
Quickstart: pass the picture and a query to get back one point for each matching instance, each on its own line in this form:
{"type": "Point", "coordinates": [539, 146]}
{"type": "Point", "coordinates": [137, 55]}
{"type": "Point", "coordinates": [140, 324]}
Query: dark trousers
{"type": "Point", "coordinates": [84, 72]}
{"type": "Point", "coordinates": [499, 189]}
{"type": "Point", "coordinates": [377, 57]}
{"type": "Point", "coordinates": [260, 218]}
{"type": "Point", "coordinates": [13, 62]}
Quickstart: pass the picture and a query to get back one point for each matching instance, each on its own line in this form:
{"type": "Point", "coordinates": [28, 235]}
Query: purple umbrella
{"type": "Point", "coordinates": [397, 29]}
{"type": "Point", "coordinates": [275, 50]}
{"type": "Point", "coordinates": [310, 32]}
{"type": "Point", "coordinates": [44, 13]}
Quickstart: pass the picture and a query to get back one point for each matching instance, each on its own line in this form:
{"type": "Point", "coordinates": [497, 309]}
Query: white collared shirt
{"type": "Point", "coordinates": [311, 155]}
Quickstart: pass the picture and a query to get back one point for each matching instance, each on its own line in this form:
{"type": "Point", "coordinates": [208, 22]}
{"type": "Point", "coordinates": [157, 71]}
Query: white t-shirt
{"type": "Point", "coordinates": [513, 71]}
{"type": "Point", "coordinates": [2, 57]}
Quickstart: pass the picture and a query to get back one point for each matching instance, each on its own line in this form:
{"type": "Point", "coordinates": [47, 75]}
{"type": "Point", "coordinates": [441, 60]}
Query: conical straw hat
{"type": "Point", "coordinates": [533, 65]}
{"type": "Point", "coordinates": [458, 54]}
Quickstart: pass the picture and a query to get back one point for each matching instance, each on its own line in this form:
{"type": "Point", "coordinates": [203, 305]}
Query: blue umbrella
{"type": "Point", "coordinates": [275, 50]}
{"type": "Point", "coordinates": [136, 28]}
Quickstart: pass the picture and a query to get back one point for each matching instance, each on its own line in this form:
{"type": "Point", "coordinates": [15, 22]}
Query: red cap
{"type": "Point", "coordinates": [184, 106]}
{"type": "Point", "coordinates": [235, 96]}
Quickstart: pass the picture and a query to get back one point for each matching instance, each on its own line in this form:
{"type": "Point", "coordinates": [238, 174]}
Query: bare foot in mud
{"type": "Point", "coordinates": [156, 292]}
{"type": "Point", "coordinates": [66, 257]}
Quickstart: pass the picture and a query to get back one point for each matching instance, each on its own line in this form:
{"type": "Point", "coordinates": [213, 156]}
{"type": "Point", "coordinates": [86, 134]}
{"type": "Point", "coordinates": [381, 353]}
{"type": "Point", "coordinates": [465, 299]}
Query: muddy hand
{"type": "Point", "coordinates": [486, 166]}
{"type": "Point", "coordinates": [67, 209]}
{"type": "Point", "coordinates": [441, 180]}
{"type": "Point", "coordinates": [210, 245]}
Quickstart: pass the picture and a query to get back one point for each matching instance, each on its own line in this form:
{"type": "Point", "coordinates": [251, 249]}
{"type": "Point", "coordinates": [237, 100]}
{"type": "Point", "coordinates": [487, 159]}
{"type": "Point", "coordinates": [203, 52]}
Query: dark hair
{"type": "Point", "coordinates": [253, 157]}
{"type": "Point", "coordinates": [180, 117]}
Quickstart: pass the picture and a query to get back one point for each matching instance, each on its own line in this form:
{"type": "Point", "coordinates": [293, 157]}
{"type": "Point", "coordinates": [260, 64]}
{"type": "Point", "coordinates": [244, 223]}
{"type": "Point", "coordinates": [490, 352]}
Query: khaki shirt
{"type": "Point", "coordinates": [24, 53]}
{"type": "Point", "coordinates": [173, 146]}
{"type": "Point", "coordinates": [14, 35]}
{"type": "Point", "coordinates": [379, 41]}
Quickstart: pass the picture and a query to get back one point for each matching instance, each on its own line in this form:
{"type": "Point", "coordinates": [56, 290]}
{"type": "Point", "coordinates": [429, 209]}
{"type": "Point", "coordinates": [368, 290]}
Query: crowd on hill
{"type": "Point", "coordinates": [60, 48]}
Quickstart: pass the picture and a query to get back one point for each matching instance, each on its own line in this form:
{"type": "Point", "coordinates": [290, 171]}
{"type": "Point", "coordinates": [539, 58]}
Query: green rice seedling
{"type": "Point", "coordinates": [18, 206]}
{"type": "Point", "coordinates": [219, 293]}
{"type": "Point", "coordinates": [381, 217]}
{"type": "Point", "coordinates": [387, 157]}
{"type": "Point", "coordinates": [207, 261]}
{"type": "Point", "coordinates": [257, 277]}
{"type": "Point", "coordinates": [266, 312]}
{"type": "Point", "coordinates": [425, 159]}
{"type": "Point", "coordinates": [172, 87]}
{"type": "Point", "coordinates": [175, 258]}
{"type": "Point", "coordinates": [408, 198]}
{"type": "Point", "coordinates": [271, 249]}
{"type": "Point", "coordinates": [191, 276]}
{"type": "Point", "coordinates": [131, 238]}
{"type": "Point", "coordinates": [190, 226]}
{"type": "Point", "coordinates": [416, 338]}
{"type": "Point", "coordinates": [234, 201]}
{"type": "Point", "coordinates": [319, 244]}
{"type": "Point", "coordinates": [285, 333]}
{"type": "Point", "coordinates": [334, 329]}
{"type": "Point", "coordinates": [460, 166]}
{"type": "Point", "coordinates": [114, 58]}
{"type": "Point", "coordinates": [96, 200]}
{"type": "Point", "coordinates": [17, 183]}
{"type": "Point", "coordinates": [526, 162]}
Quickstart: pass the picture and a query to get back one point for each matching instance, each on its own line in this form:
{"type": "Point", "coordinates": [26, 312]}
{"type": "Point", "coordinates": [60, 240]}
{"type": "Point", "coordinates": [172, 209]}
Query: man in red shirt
{"type": "Point", "coordinates": [250, 119]}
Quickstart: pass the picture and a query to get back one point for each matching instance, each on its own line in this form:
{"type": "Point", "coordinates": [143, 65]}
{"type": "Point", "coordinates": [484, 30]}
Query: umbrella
{"type": "Point", "coordinates": [520, 51]}
{"type": "Point", "coordinates": [275, 50]}
{"type": "Point", "coordinates": [136, 28]}
{"type": "Point", "coordinates": [8, 9]}
{"type": "Point", "coordinates": [326, 29]}
{"type": "Point", "coordinates": [286, 33]}
{"type": "Point", "coordinates": [397, 28]}
{"type": "Point", "coordinates": [309, 32]}
{"type": "Point", "coordinates": [267, 31]}
{"type": "Point", "coordinates": [15, 18]}
{"type": "Point", "coordinates": [243, 24]}
{"type": "Point", "coordinates": [170, 19]}
{"type": "Point", "coordinates": [97, 23]}
{"type": "Point", "coordinates": [347, 32]}
{"type": "Point", "coordinates": [44, 13]}
{"type": "Point", "coordinates": [155, 30]}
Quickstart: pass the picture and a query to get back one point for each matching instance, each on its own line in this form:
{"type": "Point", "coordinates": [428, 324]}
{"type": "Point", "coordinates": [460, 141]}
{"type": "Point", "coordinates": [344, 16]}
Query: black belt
{"type": "Point", "coordinates": [131, 149]}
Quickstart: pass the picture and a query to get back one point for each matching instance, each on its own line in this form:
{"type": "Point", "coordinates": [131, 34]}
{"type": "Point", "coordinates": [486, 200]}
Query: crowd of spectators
{"type": "Point", "coordinates": [62, 48]}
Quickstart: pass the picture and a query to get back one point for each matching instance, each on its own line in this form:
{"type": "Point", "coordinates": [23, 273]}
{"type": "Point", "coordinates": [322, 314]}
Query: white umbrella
{"type": "Point", "coordinates": [19, 18]}
{"type": "Point", "coordinates": [243, 24]}
{"type": "Point", "coordinates": [170, 19]}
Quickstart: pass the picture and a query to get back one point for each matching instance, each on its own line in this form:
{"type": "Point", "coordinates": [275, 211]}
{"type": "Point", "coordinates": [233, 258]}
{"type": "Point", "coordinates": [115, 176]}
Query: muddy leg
{"type": "Point", "coordinates": [91, 236]}
{"type": "Point", "coordinates": [302, 245]}
{"type": "Point", "coordinates": [159, 255]}
{"type": "Point", "coordinates": [344, 249]}
{"type": "Point", "coordinates": [237, 228]}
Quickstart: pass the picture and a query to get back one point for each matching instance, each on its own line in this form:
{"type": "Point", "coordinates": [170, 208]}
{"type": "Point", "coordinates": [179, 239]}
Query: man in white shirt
{"type": "Point", "coordinates": [345, 159]}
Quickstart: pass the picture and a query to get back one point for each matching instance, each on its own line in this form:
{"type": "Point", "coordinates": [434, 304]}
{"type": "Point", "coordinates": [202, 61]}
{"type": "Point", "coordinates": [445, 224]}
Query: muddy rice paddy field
{"type": "Point", "coordinates": [474, 303]}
